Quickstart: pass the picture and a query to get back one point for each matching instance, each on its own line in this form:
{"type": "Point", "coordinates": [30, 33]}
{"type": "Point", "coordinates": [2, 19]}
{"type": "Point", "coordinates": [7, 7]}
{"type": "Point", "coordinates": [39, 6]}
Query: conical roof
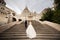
{"type": "Point", "coordinates": [25, 12]}
{"type": "Point", "coordinates": [26, 8]}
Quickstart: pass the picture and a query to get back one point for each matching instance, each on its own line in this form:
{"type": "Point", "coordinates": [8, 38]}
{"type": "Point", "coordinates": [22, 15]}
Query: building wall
{"type": "Point", "coordinates": [6, 14]}
{"type": "Point", "coordinates": [27, 15]}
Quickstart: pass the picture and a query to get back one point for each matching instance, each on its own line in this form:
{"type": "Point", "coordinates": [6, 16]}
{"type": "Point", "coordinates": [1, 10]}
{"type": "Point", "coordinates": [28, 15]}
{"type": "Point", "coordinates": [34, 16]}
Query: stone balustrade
{"type": "Point", "coordinates": [7, 26]}
{"type": "Point", "coordinates": [54, 25]}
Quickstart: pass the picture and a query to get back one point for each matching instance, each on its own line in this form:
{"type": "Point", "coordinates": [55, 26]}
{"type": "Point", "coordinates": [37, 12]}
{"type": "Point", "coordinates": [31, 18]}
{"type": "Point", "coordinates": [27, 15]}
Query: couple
{"type": "Point", "coordinates": [30, 31]}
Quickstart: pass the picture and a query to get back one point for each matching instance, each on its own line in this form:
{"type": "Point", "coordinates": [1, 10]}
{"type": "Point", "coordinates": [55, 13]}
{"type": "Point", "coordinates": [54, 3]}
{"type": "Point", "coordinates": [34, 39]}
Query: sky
{"type": "Point", "coordinates": [33, 5]}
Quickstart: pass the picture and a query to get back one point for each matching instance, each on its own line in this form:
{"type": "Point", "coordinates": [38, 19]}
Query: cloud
{"type": "Point", "coordinates": [33, 5]}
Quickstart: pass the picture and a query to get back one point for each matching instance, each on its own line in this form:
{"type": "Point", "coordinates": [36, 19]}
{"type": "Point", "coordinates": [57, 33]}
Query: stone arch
{"type": "Point", "coordinates": [14, 19]}
{"type": "Point", "coordinates": [19, 19]}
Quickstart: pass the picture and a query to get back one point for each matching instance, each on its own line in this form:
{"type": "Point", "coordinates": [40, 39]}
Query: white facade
{"type": "Point", "coordinates": [27, 15]}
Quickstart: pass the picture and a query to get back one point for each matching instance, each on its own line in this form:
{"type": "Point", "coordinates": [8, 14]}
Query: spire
{"type": "Point", "coordinates": [26, 8]}
{"type": "Point", "coordinates": [35, 12]}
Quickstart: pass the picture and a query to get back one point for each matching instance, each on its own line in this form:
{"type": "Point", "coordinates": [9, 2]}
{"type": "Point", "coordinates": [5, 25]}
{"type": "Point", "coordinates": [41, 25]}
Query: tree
{"type": "Point", "coordinates": [57, 4]}
{"type": "Point", "coordinates": [48, 15]}
{"type": "Point", "coordinates": [51, 15]}
{"type": "Point", "coordinates": [56, 16]}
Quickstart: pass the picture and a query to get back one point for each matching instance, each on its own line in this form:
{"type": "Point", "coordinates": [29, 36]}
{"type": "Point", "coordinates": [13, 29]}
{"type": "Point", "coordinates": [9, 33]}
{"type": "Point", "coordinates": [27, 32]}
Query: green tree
{"type": "Point", "coordinates": [57, 4]}
{"type": "Point", "coordinates": [51, 15]}
{"type": "Point", "coordinates": [56, 16]}
{"type": "Point", "coordinates": [48, 15]}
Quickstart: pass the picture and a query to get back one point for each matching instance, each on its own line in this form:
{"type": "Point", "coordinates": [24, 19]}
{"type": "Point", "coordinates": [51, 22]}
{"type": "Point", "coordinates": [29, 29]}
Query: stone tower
{"type": "Point", "coordinates": [26, 11]}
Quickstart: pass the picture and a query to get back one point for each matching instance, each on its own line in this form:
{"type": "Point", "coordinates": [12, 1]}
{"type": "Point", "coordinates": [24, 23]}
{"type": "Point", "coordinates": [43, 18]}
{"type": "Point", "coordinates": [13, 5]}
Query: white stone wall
{"type": "Point", "coordinates": [3, 19]}
{"type": "Point", "coordinates": [54, 25]}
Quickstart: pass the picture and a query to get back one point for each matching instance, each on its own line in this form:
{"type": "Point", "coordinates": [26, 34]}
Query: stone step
{"type": "Point", "coordinates": [25, 33]}
{"type": "Point", "coordinates": [22, 36]}
{"type": "Point", "coordinates": [27, 39]}
{"type": "Point", "coordinates": [38, 37]}
{"type": "Point", "coordinates": [12, 33]}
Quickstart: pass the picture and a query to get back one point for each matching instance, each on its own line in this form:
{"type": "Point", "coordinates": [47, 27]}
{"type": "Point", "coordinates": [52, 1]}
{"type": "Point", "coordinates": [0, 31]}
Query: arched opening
{"type": "Point", "coordinates": [13, 14]}
{"type": "Point", "coordinates": [20, 19]}
{"type": "Point", "coordinates": [13, 19]}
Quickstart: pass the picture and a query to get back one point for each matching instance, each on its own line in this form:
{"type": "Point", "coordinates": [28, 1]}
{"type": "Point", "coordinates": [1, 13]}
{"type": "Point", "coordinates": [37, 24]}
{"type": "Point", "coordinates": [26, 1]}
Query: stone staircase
{"type": "Point", "coordinates": [17, 32]}
{"type": "Point", "coordinates": [15, 36]}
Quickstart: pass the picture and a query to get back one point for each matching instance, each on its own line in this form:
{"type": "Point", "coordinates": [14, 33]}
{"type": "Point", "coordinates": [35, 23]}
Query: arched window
{"type": "Point", "coordinates": [13, 14]}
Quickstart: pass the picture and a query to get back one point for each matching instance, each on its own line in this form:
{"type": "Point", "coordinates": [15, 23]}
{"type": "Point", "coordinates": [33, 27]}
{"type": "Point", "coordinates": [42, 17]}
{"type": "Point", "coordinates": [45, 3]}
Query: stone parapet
{"type": "Point", "coordinates": [54, 25]}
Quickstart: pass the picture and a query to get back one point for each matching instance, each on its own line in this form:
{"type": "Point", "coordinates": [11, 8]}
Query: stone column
{"type": "Point", "coordinates": [9, 17]}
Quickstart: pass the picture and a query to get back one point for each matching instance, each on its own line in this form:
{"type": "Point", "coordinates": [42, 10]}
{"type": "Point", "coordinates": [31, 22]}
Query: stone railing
{"type": "Point", "coordinates": [7, 26]}
{"type": "Point", "coordinates": [54, 25]}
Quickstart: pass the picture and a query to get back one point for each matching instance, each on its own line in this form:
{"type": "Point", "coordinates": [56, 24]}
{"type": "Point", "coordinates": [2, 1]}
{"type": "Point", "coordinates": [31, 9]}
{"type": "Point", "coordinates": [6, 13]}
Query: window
{"type": "Point", "coordinates": [13, 14]}
{"type": "Point", "coordinates": [19, 19]}
{"type": "Point", "coordinates": [2, 8]}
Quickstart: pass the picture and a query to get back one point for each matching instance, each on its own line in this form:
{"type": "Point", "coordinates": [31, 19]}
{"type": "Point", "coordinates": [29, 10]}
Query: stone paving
{"type": "Point", "coordinates": [18, 32]}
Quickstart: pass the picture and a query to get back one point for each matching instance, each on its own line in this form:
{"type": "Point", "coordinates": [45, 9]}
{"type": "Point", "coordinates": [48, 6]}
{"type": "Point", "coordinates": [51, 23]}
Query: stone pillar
{"type": "Point", "coordinates": [9, 18]}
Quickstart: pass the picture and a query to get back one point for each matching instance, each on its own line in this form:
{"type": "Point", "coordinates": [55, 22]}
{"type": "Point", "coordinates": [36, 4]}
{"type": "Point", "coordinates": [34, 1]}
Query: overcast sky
{"type": "Point", "coordinates": [33, 5]}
